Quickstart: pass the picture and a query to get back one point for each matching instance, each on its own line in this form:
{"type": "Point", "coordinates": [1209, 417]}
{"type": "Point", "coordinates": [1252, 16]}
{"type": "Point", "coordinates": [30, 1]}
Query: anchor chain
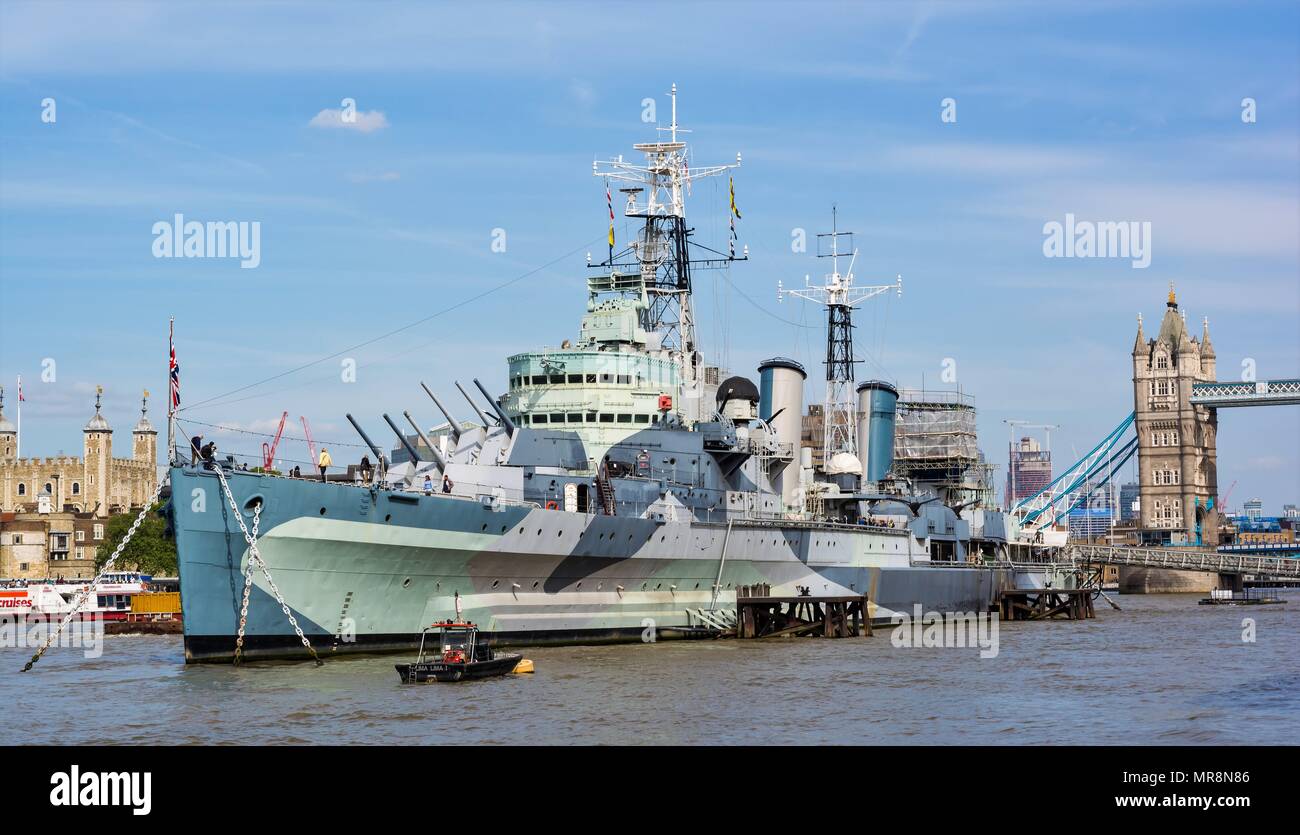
{"type": "Point", "coordinates": [248, 587]}
{"type": "Point", "coordinates": [254, 555]}
{"type": "Point", "coordinates": [80, 600]}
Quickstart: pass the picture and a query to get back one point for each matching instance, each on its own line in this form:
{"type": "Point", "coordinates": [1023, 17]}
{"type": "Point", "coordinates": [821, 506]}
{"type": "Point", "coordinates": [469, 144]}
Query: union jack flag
{"type": "Point", "coordinates": [21, 399]}
{"type": "Point", "coordinates": [175, 370]}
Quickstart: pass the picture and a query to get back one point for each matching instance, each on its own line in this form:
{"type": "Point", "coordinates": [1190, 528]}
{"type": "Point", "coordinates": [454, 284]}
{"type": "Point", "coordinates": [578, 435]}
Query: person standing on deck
{"type": "Point", "coordinates": [196, 449]}
{"type": "Point", "coordinates": [324, 462]}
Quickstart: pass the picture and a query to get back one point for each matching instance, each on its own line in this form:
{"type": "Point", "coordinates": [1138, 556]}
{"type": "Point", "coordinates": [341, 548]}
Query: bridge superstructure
{"type": "Point", "coordinates": [1183, 560]}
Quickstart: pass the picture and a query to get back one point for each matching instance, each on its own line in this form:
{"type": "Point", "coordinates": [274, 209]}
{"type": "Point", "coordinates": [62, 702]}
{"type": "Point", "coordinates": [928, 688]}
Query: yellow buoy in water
{"type": "Point", "coordinates": [524, 666]}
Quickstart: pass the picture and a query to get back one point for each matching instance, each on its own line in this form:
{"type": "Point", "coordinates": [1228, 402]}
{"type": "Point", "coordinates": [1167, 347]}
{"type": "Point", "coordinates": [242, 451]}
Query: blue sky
{"type": "Point", "coordinates": [491, 119]}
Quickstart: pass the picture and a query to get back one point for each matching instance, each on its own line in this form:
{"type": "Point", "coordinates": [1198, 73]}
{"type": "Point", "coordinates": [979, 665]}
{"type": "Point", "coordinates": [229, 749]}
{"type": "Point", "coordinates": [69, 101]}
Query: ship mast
{"type": "Point", "coordinates": [657, 264]}
{"type": "Point", "coordinates": [839, 295]}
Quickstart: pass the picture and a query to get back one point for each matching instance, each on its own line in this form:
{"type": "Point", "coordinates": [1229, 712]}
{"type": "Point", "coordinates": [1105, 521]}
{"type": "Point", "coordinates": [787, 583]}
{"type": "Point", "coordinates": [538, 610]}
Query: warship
{"type": "Point", "coordinates": [619, 488]}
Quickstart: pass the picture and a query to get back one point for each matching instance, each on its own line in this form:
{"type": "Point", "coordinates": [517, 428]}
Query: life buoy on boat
{"type": "Point", "coordinates": [552, 506]}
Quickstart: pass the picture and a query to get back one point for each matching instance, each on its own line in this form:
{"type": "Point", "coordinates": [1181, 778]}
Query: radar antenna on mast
{"type": "Point", "coordinates": [839, 295]}
{"type": "Point", "coordinates": [656, 265]}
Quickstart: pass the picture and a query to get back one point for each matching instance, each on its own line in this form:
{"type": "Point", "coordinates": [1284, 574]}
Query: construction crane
{"type": "Point", "coordinates": [311, 446]}
{"type": "Point", "coordinates": [1223, 502]}
{"type": "Point", "coordinates": [268, 450]}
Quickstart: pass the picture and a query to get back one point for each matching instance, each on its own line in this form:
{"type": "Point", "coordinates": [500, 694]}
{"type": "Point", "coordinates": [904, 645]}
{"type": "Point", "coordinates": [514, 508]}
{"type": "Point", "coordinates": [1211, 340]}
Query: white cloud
{"type": "Point", "coordinates": [364, 121]}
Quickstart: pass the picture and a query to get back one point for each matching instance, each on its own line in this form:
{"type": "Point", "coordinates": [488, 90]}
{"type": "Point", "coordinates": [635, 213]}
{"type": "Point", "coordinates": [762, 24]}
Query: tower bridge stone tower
{"type": "Point", "coordinates": [1177, 472]}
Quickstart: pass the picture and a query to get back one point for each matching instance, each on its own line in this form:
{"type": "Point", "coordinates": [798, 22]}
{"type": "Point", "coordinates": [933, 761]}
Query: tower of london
{"type": "Point", "coordinates": [96, 483]}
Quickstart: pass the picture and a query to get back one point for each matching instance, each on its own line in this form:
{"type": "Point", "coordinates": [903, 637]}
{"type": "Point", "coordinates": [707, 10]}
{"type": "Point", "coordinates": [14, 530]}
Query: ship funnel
{"type": "Point", "coordinates": [474, 406]}
{"type": "Point", "coordinates": [496, 407]}
{"type": "Point", "coordinates": [382, 459]}
{"type": "Point", "coordinates": [410, 450]}
{"type": "Point", "coordinates": [780, 403]}
{"type": "Point", "coordinates": [877, 411]}
{"type": "Point", "coordinates": [451, 421]}
{"type": "Point", "coordinates": [437, 455]}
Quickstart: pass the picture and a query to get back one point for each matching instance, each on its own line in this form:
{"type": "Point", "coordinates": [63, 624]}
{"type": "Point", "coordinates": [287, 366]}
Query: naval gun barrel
{"type": "Point", "coordinates": [474, 406]}
{"type": "Point", "coordinates": [442, 462]}
{"type": "Point", "coordinates": [496, 407]}
{"type": "Point", "coordinates": [451, 421]}
{"type": "Point", "coordinates": [379, 455]}
{"type": "Point", "coordinates": [415, 456]}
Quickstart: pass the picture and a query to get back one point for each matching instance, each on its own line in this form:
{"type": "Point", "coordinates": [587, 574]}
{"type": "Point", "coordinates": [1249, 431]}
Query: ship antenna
{"type": "Point", "coordinates": [654, 271]}
{"type": "Point", "coordinates": [839, 296]}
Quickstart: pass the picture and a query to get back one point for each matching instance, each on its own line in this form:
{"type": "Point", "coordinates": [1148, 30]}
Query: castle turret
{"type": "Point", "coordinates": [144, 437]}
{"type": "Point", "coordinates": [98, 445]}
{"type": "Point", "coordinates": [8, 433]}
{"type": "Point", "coordinates": [1208, 369]}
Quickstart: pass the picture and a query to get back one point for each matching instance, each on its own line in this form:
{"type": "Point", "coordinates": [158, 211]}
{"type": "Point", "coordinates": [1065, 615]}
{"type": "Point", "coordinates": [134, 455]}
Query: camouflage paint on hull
{"type": "Point", "coordinates": [365, 570]}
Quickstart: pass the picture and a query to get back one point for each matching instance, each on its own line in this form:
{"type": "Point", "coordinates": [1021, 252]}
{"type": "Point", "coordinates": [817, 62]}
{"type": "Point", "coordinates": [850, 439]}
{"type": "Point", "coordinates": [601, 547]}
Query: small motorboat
{"type": "Point", "coordinates": [460, 655]}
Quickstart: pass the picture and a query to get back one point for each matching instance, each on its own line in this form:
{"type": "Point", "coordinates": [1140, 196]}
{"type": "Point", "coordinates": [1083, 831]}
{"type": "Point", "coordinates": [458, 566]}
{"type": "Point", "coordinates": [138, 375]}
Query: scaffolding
{"type": "Point", "coordinates": [936, 445]}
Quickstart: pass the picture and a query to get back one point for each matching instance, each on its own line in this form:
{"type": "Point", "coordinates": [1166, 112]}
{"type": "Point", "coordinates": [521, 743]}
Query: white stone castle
{"type": "Point", "coordinates": [96, 483]}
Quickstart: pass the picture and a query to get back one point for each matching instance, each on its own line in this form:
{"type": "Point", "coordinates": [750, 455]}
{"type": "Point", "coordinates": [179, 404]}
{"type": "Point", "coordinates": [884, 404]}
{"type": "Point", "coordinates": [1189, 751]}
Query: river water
{"type": "Point", "coordinates": [1161, 671]}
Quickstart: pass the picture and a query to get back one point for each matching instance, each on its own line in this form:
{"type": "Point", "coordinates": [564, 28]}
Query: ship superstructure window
{"type": "Point", "coordinates": [575, 417]}
{"type": "Point", "coordinates": [624, 418]}
{"type": "Point", "coordinates": [591, 417]}
{"type": "Point", "coordinates": [557, 378]}
{"type": "Point", "coordinates": [604, 418]}
{"type": "Point", "coordinates": [541, 418]}
{"type": "Point", "coordinates": [642, 418]}
{"type": "Point", "coordinates": [607, 378]}
{"type": "Point", "coordinates": [575, 378]}
{"type": "Point", "coordinates": [625, 379]}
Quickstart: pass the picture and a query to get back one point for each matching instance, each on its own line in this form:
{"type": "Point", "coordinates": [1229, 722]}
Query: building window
{"type": "Point", "coordinates": [1162, 361]}
{"type": "Point", "coordinates": [49, 488]}
{"type": "Point", "coordinates": [81, 552]}
{"type": "Point", "coordinates": [99, 532]}
{"type": "Point", "coordinates": [76, 488]}
{"type": "Point", "coordinates": [81, 536]}
{"type": "Point", "coordinates": [18, 539]}
{"type": "Point", "coordinates": [22, 489]}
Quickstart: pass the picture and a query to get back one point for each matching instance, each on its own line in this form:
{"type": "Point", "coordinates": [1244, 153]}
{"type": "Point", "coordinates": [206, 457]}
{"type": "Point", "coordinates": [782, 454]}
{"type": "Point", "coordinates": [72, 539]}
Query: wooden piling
{"type": "Point", "coordinates": [759, 614]}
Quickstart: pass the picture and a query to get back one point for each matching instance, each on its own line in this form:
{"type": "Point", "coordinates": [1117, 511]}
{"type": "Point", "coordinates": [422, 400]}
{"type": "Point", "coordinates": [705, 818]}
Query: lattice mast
{"type": "Point", "coordinates": [840, 296]}
{"type": "Point", "coordinates": [658, 263]}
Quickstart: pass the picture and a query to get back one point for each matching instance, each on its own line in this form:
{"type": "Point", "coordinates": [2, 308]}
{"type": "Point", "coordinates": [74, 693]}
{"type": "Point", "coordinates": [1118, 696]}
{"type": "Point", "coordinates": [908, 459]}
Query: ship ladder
{"type": "Point", "coordinates": [108, 566]}
{"type": "Point", "coordinates": [606, 493]}
{"type": "Point", "coordinates": [719, 619]}
{"type": "Point", "coordinates": [255, 557]}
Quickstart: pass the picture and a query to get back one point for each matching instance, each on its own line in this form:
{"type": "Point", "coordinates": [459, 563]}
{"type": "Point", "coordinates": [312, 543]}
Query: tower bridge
{"type": "Point", "coordinates": [1173, 431]}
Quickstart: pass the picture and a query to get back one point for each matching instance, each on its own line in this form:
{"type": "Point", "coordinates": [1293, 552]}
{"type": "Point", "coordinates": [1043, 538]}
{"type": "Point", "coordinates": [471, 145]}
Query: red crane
{"type": "Point", "coordinates": [268, 450]}
{"type": "Point", "coordinates": [311, 446]}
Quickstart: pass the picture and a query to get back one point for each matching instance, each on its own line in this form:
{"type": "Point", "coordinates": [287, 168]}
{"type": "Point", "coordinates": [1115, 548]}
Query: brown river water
{"type": "Point", "coordinates": [1161, 671]}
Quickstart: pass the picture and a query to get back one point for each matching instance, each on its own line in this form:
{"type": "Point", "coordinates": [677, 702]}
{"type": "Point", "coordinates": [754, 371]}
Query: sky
{"type": "Point", "coordinates": [946, 135]}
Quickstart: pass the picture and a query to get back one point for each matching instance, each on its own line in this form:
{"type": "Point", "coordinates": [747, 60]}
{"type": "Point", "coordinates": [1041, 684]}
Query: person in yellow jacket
{"type": "Point", "coordinates": [324, 461]}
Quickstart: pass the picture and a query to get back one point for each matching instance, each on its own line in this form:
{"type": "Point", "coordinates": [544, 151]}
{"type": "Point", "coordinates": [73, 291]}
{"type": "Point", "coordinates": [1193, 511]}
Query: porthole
{"type": "Point", "coordinates": [536, 583]}
{"type": "Point", "coordinates": [579, 585]}
{"type": "Point", "coordinates": [496, 583]}
{"type": "Point", "coordinates": [250, 506]}
{"type": "Point", "coordinates": [388, 517]}
{"type": "Point", "coordinates": [485, 526]}
{"type": "Point", "coordinates": [322, 511]}
{"type": "Point", "coordinates": [406, 583]}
